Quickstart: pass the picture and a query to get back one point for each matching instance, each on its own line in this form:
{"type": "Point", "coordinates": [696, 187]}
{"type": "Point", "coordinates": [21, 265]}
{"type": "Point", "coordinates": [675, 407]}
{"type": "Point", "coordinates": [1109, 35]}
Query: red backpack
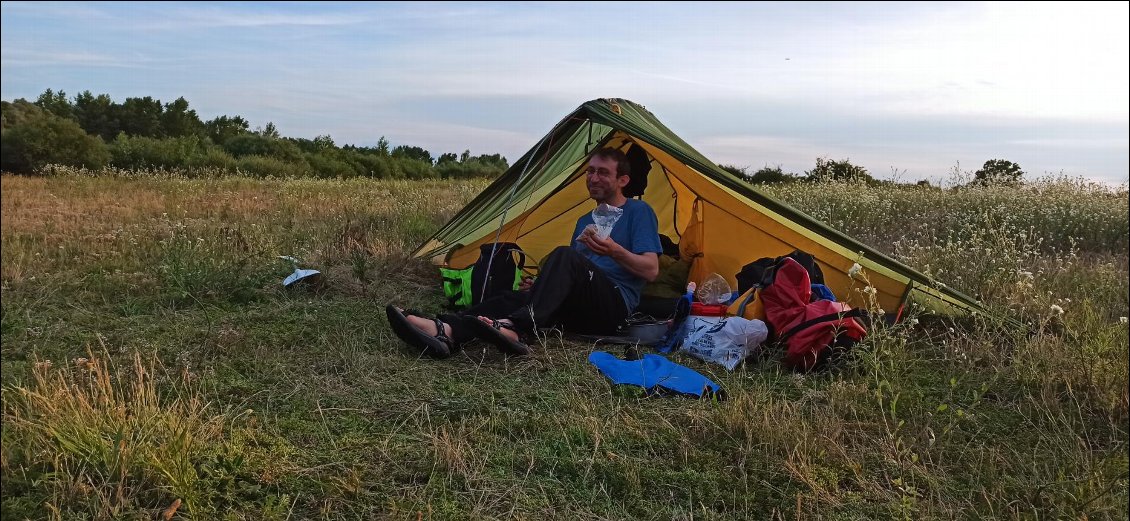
{"type": "Point", "coordinates": [810, 331]}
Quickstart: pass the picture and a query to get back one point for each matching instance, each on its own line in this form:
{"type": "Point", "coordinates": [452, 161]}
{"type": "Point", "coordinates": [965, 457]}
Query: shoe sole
{"type": "Point", "coordinates": [414, 336]}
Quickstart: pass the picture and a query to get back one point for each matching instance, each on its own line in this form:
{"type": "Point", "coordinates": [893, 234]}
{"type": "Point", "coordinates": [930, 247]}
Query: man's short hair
{"type": "Point", "coordinates": [623, 166]}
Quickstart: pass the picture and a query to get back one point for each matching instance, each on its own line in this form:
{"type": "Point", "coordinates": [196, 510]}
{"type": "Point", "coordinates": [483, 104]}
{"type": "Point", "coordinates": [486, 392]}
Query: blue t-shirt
{"type": "Point", "coordinates": [637, 231]}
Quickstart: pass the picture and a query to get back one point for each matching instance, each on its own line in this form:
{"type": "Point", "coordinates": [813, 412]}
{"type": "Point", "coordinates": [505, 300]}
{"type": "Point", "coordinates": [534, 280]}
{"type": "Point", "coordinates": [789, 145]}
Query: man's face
{"type": "Point", "coordinates": [601, 180]}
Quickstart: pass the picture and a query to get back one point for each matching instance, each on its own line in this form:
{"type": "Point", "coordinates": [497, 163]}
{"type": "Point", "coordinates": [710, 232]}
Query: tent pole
{"type": "Point", "coordinates": [506, 208]}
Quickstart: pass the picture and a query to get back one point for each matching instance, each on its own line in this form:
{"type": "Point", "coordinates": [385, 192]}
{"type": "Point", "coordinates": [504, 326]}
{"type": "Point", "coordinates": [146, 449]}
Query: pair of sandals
{"type": "Point", "coordinates": [440, 345]}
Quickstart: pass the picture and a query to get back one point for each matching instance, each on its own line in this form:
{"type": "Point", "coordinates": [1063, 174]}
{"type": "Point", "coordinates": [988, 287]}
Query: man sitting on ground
{"type": "Point", "coordinates": [589, 287]}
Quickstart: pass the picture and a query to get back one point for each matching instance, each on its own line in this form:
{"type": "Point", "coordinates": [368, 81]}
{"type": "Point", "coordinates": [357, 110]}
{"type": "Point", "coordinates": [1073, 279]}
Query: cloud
{"type": "Point", "coordinates": [26, 57]}
{"type": "Point", "coordinates": [1074, 143]}
{"type": "Point", "coordinates": [205, 16]}
{"type": "Point", "coordinates": [56, 10]}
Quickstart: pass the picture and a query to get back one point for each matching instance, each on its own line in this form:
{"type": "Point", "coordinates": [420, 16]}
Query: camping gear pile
{"type": "Point", "coordinates": [782, 307]}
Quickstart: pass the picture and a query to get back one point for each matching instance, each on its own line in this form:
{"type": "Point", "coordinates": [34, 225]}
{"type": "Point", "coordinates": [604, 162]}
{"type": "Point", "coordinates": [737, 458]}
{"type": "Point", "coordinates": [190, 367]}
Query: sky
{"type": "Point", "coordinates": [909, 91]}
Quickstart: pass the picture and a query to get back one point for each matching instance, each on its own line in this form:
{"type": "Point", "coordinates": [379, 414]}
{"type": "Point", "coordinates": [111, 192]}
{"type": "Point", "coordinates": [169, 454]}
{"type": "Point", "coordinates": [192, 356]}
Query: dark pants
{"type": "Point", "coordinates": [570, 292]}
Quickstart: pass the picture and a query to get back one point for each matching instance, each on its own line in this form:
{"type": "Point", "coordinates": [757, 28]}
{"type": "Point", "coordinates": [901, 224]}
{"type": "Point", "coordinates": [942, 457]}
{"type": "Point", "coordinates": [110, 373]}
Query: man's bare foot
{"type": "Point", "coordinates": [427, 325]}
{"type": "Point", "coordinates": [421, 332]}
{"type": "Point", "coordinates": [501, 334]}
{"type": "Point", "coordinates": [507, 328]}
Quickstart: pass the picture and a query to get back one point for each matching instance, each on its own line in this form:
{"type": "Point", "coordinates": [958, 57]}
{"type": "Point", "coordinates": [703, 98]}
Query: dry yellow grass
{"type": "Point", "coordinates": [49, 224]}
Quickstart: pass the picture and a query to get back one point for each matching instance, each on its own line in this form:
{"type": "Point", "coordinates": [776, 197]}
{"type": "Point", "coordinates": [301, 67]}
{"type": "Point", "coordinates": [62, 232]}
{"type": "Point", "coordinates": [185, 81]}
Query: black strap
{"type": "Point", "coordinates": [455, 298]}
{"type": "Point", "coordinates": [857, 312]}
{"type": "Point", "coordinates": [531, 269]}
{"type": "Point", "coordinates": [458, 295]}
{"type": "Point", "coordinates": [746, 301]}
{"type": "Point", "coordinates": [440, 334]}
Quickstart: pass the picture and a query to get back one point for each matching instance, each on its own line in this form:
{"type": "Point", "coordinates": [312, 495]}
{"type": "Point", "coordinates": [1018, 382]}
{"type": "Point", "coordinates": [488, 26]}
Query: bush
{"type": "Point", "coordinates": [738, 171]}
{"type": "Point", "coordinates": [214, 158]}
{"type": "Point", "coordinates": [28, 146]}
{"type": "Point", "coordinates": [327, 166]}
{"type": "Point", "coordinates": [374, 166]}
{"type": "Point", "coordinates": [17, 112]}
{"type": "Point", "coordinates": [469, 169]}
{"type": "Point", "coordinates": [140, 153]}
{"type": "Point", "coordinates": [259, 166]}
{"type": "Point", "coordinates": [768, 175]}
{"type": "Point", "coordinates": [998, 172]}
{"type": "Point", "coordinates": [411, 169]}
{"type": "Point", "coordinates": [256, 145]}
{"type": "Point", "coordinates": [843, 170]}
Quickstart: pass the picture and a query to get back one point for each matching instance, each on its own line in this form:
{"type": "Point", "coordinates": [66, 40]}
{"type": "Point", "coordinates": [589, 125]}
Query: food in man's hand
{"type": "Point", "coordinates": [589, 231]}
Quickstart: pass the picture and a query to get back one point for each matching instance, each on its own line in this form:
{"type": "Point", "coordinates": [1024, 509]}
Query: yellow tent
{"type": "Point", "coordinates": [707, 210]}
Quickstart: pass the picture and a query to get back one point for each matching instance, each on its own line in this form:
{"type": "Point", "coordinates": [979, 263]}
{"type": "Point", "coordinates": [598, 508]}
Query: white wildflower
{"type": "Point", "coordinates": [913, 322]}
{"type": "Point", "coordinates": [1056, 310]}
{"type": "Point", "coordinates": [854, 270]}
{"type": "Point", "coordinates": [1122, 320]}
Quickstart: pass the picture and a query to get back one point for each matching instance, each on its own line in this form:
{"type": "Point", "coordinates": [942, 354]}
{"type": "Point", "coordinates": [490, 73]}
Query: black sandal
{"type": "Point", "coordinates": [438, 345]}
{"type": "Point", "coordinates": [492, 334]}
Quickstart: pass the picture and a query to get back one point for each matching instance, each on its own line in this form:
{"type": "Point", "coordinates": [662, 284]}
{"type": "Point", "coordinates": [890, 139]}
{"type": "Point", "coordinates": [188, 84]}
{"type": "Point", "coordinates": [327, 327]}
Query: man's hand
{"type": "Point", "coordinates": [645, 265]}
{"type": "Point", "coordinates": [606, 246]}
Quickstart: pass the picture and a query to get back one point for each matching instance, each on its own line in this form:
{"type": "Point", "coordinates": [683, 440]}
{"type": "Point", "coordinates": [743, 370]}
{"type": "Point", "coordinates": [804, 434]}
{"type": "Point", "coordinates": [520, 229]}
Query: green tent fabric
{"type": "Point", "coordinates": [720, 220]}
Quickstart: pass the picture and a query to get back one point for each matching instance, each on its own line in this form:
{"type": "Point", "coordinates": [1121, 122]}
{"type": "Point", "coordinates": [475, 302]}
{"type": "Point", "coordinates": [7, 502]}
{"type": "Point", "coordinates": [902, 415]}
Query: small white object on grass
{"type": "Point", "coordinates": [298, 274]}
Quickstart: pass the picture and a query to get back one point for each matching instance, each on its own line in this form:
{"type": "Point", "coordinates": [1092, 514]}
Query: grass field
{"type": "Point", "coordinates": [154, 367]}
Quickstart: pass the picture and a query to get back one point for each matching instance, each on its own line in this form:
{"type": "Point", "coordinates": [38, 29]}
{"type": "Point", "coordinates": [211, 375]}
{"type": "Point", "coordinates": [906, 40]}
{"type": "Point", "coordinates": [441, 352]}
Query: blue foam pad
{"type": "Point", "coordinates": [654, 373]}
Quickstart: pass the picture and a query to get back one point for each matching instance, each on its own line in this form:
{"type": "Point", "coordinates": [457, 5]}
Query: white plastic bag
{"type": "Point", "coordinates": [605, 217]}
{"type": "Point", "coordinates": [723, 340]}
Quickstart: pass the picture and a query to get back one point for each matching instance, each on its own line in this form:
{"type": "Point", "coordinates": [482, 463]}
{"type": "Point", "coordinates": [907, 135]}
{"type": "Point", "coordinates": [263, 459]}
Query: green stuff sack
{"type": "Point", "coordinates": [485, 278]}
{"type": "Point", "coordinates": [457, 286]}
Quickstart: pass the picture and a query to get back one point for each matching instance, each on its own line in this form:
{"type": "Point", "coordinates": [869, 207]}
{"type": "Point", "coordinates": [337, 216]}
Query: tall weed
{"type": "Point", "coordinates": [92, 439]}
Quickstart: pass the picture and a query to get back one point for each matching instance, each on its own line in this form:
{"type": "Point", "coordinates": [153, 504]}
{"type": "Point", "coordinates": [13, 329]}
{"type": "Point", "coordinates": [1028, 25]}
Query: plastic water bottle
{"type": "Point", "coordinates": [714, 290]}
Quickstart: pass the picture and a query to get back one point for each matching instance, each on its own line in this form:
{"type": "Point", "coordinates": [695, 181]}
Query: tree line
{"type": "Point", "coordinates": [145, 134]}
{"type": "Point", "coordinates": [993, 172]}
